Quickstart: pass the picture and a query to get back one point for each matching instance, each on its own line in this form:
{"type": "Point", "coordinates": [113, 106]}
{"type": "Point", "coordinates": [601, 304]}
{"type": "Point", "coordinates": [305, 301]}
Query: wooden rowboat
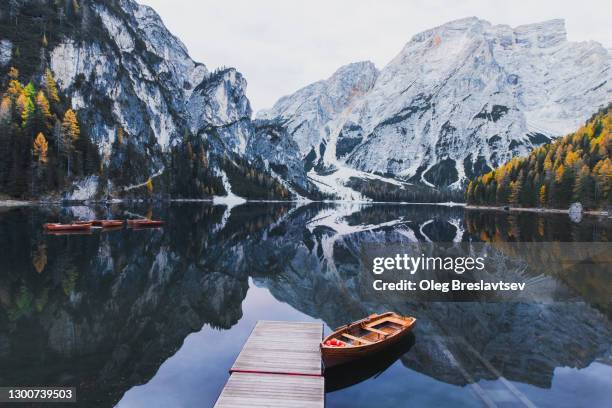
{"type": "Point", "coordinates": [144, 223]}
{"type": "Point", "coordinates": [364, 337]}
{"type": "Point", "coordinates": [67, 227]}
{"type": "Point", "coordinates": [95, 223]}
{"type": "Point", "coordinates": [102, 223]}
{"type": "Point", "coordinates": [111, 223]}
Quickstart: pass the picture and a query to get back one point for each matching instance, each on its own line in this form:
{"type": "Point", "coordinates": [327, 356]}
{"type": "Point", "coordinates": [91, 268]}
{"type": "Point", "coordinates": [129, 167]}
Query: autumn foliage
{"type": "Point", "coordinates": [577, 167]}
{"type": "Point", "coordinates": [41, 143]}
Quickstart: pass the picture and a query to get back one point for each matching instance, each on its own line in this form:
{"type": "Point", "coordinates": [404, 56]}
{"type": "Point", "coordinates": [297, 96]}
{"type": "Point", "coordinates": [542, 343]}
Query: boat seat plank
{"type": "Point", "coordinates": [354, 338]}
{"type": "Point", "coordinates": [394, 320]}
{"type": "Point", "coordinates": [376, 331]}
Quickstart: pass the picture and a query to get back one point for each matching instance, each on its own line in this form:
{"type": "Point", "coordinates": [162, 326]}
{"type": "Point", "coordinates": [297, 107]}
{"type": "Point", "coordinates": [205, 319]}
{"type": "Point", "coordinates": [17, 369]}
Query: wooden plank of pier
{"type": "Point", "coordinates": [272, 390]}
{"type": "Point", "coordinates": [278, 366]}
{"type": "Point", "coordinates": [282, 348]}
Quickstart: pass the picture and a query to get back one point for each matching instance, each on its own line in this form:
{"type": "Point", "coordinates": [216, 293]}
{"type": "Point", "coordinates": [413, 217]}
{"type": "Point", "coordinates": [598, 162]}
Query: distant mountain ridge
{"type": "Point", "coordinates": [458, 100]}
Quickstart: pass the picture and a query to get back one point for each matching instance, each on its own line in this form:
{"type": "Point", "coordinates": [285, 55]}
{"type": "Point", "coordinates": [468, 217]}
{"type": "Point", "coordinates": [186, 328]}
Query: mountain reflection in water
{"type": "Point", "coordinates": [113, 310]}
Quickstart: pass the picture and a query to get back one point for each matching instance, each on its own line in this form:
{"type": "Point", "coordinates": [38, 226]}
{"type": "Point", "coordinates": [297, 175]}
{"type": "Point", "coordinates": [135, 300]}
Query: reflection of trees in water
{"type": "Point", "coordinates": [561, 253]}
{"type": "Point", "coordinates": [496, 226]}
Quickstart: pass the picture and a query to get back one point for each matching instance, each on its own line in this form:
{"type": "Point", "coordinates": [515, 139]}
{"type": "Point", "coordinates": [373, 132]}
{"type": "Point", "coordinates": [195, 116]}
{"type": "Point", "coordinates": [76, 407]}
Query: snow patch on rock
{"type": "Point", "coordinates": [84, 189]}
{"type": "Point", "coordinates": [230, 199]}
{"type": "Point", "coordinates": [6, 52]}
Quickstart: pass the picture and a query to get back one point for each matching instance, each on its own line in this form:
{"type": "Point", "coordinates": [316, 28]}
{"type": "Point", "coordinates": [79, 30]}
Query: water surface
{"type": "Point", "coordinates": [155, 318]}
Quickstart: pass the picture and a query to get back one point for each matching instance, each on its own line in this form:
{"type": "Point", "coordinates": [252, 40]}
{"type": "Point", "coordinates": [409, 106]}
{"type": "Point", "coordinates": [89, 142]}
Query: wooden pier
{"type": "Point", "coordinates": [279, 366]}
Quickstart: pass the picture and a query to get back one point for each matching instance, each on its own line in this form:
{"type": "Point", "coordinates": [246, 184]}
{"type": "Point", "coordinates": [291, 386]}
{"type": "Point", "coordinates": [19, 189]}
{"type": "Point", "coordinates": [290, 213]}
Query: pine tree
{"type": "Point", "coordinates": [30, 91]}
{"type": "Point", "coordinates": [584, 187]}
{"type": "Point", "coordinates": [548, 164]}
{"type": "Point", "coordinates": [15, 89]}
{"type": "Point", "coordinates": [603, 179]}
{"type": "Point", "coordinates": [559, 173]}
{"type": "Point", "coordinates": [515, 192]}
{"type": "Point", "coordinates": [26, 108]}
{"type": "Point", "coordinates": [51, 87]}
{"type": "Point", "coordinates": [542, 196]}
{"type": "Point", "coordinates": [120, 135]}
{"type": "Point", "coordinates": [40, 148]}
{"type": "Point", "coordinates": [5, 110]}
{"type": "Point", "coordinates": [469, 194]}
{"type": "Point", "coordinates": [70, 135]}
{"type": "Point", "coordinates": [43, 109]}
{"type": "Point", "coordinates": [70, 126]}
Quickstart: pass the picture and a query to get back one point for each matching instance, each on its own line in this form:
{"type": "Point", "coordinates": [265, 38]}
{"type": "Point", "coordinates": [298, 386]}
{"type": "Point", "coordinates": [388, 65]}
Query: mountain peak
{"type": "Point", "coordinates": [354, 67]}
{"type": "Point", "coordinates": [543, 34]}
{"type": "Point", "coordinates": [458, 99]}
{"type": "Point", "coordinates": [356, 77]}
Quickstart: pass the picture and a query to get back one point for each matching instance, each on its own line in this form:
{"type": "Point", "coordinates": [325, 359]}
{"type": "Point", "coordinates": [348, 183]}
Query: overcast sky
{"type": "Point", "coordinates": [283, 45]}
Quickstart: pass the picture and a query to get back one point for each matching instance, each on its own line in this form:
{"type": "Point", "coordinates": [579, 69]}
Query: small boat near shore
{"type": "Point", "coordinates": [56, 227]}
{"type": "Point", "coordinates": [144, 223]}
{"type": "Point", "coordinates": [102, 223]}
{"type": "Point", "coordinates": [94, 223]}
{"type": "Point", "coordinates": [111, 223]}
{"type": "Point", "coordinates": [364, 337]}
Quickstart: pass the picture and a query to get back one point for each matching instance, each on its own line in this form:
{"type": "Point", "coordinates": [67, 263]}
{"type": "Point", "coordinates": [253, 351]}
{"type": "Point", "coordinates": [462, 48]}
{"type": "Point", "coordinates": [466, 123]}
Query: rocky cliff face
{"type": "Point", "coordinates": [133, 74]}
{"type": "Point", "coordinates": [457, 100]}
{"type": "Point", "coordinates": [310, 112]}
{"type": "Point", "coordinates": [126, 74]}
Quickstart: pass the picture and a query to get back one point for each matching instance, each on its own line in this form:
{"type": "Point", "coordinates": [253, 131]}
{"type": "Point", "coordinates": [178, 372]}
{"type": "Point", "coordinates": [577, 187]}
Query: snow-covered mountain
{"type": "Point", "coordinates": [457, 100]}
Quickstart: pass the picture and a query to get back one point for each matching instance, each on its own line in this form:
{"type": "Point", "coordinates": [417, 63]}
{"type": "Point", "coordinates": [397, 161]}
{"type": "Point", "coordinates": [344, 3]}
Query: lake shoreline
{"type": "Point", "coordinates": [24, 203]}
{"type": "Point", "coordinates": [532, 209]}
{"type": "Point", "coordinates": [15, 203]}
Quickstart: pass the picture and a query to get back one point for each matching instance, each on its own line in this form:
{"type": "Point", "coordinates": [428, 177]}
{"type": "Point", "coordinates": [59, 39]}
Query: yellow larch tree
{"type": "Point", "coordinates": [559, 172]}
{"type": "Point", "coordinates": [70, 125]}
{"type": "Point", "coordinates": [40, 148]}
{"type": "Point", "coordinates": [542, 196]}
{"type": "Point", "coordinates": [43, 106]}
{"type": "Point", "coordinates": [51, 87]}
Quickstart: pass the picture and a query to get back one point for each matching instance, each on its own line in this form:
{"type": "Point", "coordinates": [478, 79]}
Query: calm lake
{"type": "Point", "coordinates": [156, 317]}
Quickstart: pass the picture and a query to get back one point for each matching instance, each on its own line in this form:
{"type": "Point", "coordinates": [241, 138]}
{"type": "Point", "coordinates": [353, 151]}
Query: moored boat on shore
{"type": "Point", "coordinates": [111, 223]}
{"type": "Point", "coordinates": [67, 227]}
{"type": "Point", "coordinates": [144, 223]}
